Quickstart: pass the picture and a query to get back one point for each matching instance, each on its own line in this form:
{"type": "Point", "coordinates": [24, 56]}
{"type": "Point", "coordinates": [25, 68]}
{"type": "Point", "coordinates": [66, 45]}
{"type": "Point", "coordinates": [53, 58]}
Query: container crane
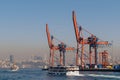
{"type": "Point", "coordinates": [103, 58]}
{"type": "Point", "coordinates": [92, 41]}
{"type": "Point", "coordinates": [61, 47]}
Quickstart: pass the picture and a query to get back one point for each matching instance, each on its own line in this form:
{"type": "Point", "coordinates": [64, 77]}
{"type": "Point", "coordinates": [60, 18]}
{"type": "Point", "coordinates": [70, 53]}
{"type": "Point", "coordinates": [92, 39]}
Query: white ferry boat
{"type": "Point", "coordinates": [64, 70]}
{"type": "Point", "coordinates": [14, 67]}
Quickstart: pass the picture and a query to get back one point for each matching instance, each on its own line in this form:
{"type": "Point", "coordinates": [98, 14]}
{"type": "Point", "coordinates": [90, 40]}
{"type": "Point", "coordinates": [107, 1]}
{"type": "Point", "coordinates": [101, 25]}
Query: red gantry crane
{"type": "Point", "coordinates": [92, 41]}
{"type": "Point", "coordinates": [61, 47]}
{"type": "Point", "coordinates": [103, 58]}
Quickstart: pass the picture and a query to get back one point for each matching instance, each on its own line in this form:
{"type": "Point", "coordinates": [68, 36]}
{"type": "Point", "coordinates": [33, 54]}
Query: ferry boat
{"type": "Point", "coordinates": [64, 70]}
{"type": "Point", "coordinates": [14, 68]}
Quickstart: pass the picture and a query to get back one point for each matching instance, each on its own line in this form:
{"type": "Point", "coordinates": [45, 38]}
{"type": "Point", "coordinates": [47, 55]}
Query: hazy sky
{"type": "Point", "coordinates": [22, 24]}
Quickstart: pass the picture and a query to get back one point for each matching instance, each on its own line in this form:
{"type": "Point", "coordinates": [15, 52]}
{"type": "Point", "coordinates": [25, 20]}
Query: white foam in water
{"type": "Point", "coordinates": [95, 75]}
{"type": "Point", "coordinates": [105, 76]}
{"type": "Point", "coordinates": [81, 75]}
{"type": "Point", "coordinates": [75, 73]}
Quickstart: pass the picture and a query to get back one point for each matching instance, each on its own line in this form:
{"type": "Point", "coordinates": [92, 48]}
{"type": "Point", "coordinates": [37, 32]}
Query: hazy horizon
{"type": "Point", "coordinates": [22, 24]}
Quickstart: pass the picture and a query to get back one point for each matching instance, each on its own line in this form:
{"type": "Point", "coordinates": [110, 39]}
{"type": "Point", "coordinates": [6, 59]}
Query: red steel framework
{"type": "Point", "coordinates": [61, 47]}
{"type": "Point", "coordinates": [103, 58]}
{"type": "Point", "coordinates": [92, 41]}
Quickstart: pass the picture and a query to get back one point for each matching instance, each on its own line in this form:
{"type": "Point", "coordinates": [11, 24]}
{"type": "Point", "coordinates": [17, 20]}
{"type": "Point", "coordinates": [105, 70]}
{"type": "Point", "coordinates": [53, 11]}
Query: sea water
{"type": "Point", "coordinates": [38, 74]}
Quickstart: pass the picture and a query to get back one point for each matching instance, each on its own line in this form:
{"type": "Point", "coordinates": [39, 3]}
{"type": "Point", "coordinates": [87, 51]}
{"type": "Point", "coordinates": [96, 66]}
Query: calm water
{"type": "Point", "coordinates": [38, 74]}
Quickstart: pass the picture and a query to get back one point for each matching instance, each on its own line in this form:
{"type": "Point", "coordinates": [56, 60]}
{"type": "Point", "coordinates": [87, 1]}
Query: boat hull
{"type": "Point", "coordinates": [64, 70]}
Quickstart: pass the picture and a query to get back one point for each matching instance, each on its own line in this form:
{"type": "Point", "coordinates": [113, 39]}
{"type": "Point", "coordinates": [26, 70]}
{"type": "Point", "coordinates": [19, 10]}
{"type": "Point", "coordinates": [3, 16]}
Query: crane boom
{"type": "Point", "coordinates": [75, 26]}
{"type": "Point", "coordinates": [48, 36]}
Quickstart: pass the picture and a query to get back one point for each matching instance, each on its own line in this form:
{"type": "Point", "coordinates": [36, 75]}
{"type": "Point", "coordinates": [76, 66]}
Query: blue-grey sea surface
{"type": "Point", "coordinates": [38, 74]}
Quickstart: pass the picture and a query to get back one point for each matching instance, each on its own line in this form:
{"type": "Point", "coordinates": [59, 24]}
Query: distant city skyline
{"type": "Point", "coordinates": [22, 24]}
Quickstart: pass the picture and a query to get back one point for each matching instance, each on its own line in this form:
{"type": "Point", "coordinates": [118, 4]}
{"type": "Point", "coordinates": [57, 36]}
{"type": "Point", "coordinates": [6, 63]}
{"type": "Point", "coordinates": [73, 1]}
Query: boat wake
{"type": "Point", "coordinates": [104, 76]}
{"type": "Point", "coordinates": [74, 73]}
{"type": "Point", "coordinates": [96, 75]}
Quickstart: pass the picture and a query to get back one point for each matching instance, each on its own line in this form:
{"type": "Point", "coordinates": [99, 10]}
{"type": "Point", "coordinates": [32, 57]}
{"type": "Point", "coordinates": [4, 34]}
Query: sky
{"type": "Point", "coordinates": [22, 24]}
